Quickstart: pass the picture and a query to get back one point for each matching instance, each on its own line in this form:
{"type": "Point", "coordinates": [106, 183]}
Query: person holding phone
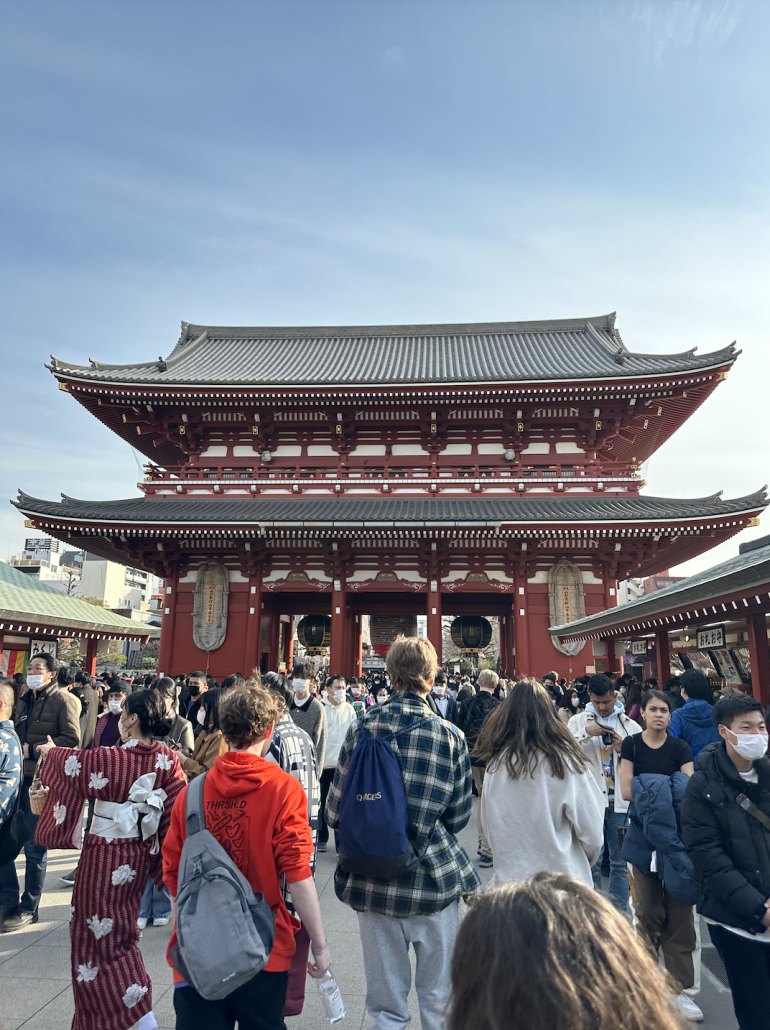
{"type": "Point", "coordinates": [601, 730]}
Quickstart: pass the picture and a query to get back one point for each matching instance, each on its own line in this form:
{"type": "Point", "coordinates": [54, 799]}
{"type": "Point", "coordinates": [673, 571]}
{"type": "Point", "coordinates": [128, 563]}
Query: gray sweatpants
{"type": "Point", "coordinates": [385, 941]}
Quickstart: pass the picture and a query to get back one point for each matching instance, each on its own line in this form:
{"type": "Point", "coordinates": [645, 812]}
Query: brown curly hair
{"type": "Point", "coordinates": [246, 713]}
{"type": "Point", "coordinates": [550, 952]}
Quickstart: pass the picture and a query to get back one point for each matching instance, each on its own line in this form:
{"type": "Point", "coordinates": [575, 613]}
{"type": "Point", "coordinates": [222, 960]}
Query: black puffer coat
{"type": "Point", "coordinates": [729, 848]}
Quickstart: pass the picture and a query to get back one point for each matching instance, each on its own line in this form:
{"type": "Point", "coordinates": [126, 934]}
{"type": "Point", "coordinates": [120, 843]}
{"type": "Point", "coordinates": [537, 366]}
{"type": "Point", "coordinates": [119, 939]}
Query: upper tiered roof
{"type": "Point", "coordinates": [481, 352]}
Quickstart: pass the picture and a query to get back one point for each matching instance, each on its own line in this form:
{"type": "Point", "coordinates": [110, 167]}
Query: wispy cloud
{"type": "Point", "coordinates": [669, 25]}
{"type": "Point", "coordinates": [393, 57]}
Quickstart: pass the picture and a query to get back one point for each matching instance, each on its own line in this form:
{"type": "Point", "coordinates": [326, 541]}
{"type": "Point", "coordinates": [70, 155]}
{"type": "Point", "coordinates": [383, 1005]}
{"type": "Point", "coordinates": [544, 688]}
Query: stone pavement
{"type": "Point", "coordinates": [35, 990]}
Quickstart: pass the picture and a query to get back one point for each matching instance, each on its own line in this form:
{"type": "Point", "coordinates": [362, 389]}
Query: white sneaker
{"type": "Point", "coordinates": [688, 1008]}
{"type": "Point", "coordinates": [141, 922]}
{"type": "Point", "coordinates": [160, 920]}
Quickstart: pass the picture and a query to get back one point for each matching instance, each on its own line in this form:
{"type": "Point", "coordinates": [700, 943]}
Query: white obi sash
{"type": "Point", "coordinates": [141, 813]}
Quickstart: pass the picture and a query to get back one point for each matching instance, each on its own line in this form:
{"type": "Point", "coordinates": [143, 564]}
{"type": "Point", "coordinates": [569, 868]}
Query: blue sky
{"type": "Point", "coordinates": [332, 162]}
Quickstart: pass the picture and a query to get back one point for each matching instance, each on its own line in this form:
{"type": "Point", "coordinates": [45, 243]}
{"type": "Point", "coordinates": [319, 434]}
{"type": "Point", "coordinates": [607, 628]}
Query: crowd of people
{"type": "Point", "coordinates": [186, 797]}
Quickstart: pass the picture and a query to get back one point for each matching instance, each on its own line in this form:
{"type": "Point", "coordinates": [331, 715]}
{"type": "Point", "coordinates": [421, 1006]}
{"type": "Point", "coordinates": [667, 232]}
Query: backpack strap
{"type": "Point", "coordinates": [405, 729]}
{"type": "Point", "coordinates": [752, 809]}
{"type": "Point", "coordinates": [196, 818]}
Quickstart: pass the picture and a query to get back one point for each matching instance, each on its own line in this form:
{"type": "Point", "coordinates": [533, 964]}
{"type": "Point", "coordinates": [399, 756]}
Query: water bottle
{"type": "Point", "coordinates": [331, 996]}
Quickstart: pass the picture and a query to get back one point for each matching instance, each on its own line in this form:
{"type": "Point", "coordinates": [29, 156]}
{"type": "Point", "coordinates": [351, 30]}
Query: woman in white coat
{"type": "Point", "coordinates": [541, 808]}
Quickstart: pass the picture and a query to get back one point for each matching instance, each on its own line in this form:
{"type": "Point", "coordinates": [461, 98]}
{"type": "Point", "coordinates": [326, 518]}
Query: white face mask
{"type": "Point", "coordinates": [35, 681]}
{"type": "Point", "coordinates": [201, 716]}
{"type": "Point", "coordinates": [299, 686]}
{"type": "Point", "coordinates": [116, 707]}
{"type": "Point", "coordinates": [575, 701]}
{"type": "Point", "coordinates": [381, 699]}
{"type": "Point", "coordinates": [750, 746]}
{"type": "Point", "coordinates": [439, 691]}
{"type": "Point", "coordinates": [338, 695]}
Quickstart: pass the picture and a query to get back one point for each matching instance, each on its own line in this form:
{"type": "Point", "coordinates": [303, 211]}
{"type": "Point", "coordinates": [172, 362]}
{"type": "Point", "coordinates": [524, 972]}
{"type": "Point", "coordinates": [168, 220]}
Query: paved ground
{"type": "Point", "coordinates": [35, 988]}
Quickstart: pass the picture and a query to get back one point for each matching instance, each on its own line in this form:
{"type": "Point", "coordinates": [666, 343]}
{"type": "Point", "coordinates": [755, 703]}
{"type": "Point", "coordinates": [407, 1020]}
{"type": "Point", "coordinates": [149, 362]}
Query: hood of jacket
{"type": "Point", "coordinates": [697, 713]}
{"type": "Point", "coordinates": [239, 772]}
{"type": "Point", "coordinates": [619, 709]}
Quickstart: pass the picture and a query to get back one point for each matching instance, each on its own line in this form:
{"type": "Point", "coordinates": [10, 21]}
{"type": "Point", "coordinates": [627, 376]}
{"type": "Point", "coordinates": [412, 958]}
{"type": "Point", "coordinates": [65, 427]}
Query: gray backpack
{"type": "Point", "coordinates": [224, 930]}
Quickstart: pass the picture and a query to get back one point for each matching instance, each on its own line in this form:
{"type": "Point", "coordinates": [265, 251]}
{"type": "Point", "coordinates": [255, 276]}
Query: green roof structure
{"type": "Point", "coordinates": [26, 605]}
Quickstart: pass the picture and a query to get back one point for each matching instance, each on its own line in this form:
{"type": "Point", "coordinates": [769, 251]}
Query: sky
{"type": "Point", "coordinates": [249, 162]}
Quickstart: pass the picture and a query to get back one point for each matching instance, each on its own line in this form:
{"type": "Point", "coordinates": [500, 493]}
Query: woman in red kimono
{"type": "Point", "coordinates": [135, 787]}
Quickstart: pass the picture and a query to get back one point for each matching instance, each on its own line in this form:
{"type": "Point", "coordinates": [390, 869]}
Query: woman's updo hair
{"type": "Point", "coordinates": [153, 721]}
{"type": "Point", "coordinates": [165, 686]}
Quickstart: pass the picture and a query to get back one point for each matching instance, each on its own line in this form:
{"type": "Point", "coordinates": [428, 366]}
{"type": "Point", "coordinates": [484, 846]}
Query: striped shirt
{"type": "Point", "coordinates": [292, 749]}
{"type": "Point", "coordinates": [437, 781]}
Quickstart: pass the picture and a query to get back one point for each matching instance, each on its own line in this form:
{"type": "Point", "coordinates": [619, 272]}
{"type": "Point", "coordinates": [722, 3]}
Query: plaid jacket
{"type": "Point", "coordinates": [293, 750]}
{"type": "Point", "coordinates": [437, 781]}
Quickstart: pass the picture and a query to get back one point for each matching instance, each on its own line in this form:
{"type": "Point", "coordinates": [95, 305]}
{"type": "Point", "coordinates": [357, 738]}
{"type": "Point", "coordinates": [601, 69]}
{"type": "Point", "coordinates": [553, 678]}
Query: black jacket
{"type": "Point", "coordinates": [729, 848]}
{"type": "Point", "coordinates": [473, 713]}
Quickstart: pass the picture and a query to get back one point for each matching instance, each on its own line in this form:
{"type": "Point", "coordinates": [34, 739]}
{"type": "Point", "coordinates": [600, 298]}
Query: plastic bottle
{"type": "Point", "coordinates": [331, 996]}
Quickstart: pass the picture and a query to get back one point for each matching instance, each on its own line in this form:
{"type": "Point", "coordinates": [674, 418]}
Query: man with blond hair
{"type": "Point", "coordinates": [420, 907]}
{"type": "Point", "coordinates": [474, 712]}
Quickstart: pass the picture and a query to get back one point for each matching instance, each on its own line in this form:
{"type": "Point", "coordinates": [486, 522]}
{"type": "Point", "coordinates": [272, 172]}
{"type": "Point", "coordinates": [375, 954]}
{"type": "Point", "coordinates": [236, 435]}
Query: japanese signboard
{"type": "Point", "coordinates": [714, 636]}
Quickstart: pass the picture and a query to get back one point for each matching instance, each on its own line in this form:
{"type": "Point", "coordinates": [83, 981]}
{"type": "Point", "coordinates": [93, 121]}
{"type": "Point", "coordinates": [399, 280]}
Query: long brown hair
{"type": "Point", "coordinates": [550, 952]}
{"type": "Point", "coordinates": [524, 729]}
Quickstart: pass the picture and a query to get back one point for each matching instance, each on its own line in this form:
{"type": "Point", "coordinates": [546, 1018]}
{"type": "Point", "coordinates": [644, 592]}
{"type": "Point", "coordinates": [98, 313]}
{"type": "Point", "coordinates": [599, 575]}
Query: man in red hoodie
{"type": "Point", "coordinates": [258, 813]}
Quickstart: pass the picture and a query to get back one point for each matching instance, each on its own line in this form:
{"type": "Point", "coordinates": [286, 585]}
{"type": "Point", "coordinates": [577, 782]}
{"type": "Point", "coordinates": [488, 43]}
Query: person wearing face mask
{"type": "Point", "coordinates": [356, 695]}
{"type": "Point", "coordinates": [197, 685]}
{"type": "Point", "coordinates": [210, 742]}
{"type": "Point", "coordinates": [309, 713]}
{"type": "Point", "coordinates": [134, 787]}
{"type": "Point", "coordinates": [446, 706]}
{"type": "Point", "coordinates": [382, 696]}
{"type": "Point", "coordinates": [726, 830]}
{"type": "Point", "coordinates": [42, 711]}
{"type": "Point", "coordinates": [340, 713]}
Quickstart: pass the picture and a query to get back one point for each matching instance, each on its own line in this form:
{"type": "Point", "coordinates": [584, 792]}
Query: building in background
{"type": "Point", "coordinates": [41, 560]}
{"type": "Point", "coordinates": [632, 589]}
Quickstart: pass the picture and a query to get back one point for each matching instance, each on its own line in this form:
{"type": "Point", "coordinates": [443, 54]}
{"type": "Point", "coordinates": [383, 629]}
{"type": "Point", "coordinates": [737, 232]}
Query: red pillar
{"type": "Point", "coordinates": [353, 642]}
{"type": "Point", "coordinates": [756, 627]}
{"type": "Point", "coordinates": [612, 668]}
{"type": "Point", "coordinates": [337, 647]}
{"type": "Point", "coordinates": [252, 641]}
{"type": "Point", "coordinates": [523, 661]}
{"type": "Point", "coordinates": [91, 649]}
{"type": "Point", "coordinates": [433, 610]}
{"type": "Point", "coordinates": [168, 626]}
{"type": "Point", "coordinates": [287, 648]}
{"type": "Point", "coordinates": [664, 664]}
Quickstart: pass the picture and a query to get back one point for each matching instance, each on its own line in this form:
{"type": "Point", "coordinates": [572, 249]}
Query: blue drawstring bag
{"type": "Point", "coordinates": [373, 832]}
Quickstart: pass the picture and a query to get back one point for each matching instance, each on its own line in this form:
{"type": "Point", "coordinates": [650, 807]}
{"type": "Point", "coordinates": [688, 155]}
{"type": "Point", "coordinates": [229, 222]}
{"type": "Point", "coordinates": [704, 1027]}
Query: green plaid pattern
{"type": "Point", "coordinates": [437, 781]}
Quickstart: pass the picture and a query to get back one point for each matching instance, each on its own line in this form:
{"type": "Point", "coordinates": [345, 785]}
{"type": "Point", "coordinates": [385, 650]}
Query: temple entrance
{"type": "Point", "coordinates": [345, 653]}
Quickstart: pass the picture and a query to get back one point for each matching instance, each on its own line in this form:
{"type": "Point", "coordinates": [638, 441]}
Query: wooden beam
{"type": "Point", "coordinates": [759, 654]}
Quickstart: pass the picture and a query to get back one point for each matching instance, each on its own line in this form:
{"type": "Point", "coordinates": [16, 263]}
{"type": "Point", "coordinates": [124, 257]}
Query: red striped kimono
{"type": "Point", "coordinates": [112, 989]}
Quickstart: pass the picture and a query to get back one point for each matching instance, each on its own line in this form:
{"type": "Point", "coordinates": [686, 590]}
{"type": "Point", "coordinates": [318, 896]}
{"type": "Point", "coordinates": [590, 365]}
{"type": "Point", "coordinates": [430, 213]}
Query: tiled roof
{"type": "Point", "coordinates": [749, 571]}
{"type": "Point", "coordinates": [25, 598]}
{"type": "Point", "coordinates": [389, 511]}
{"type": "Point", "coordinates": [494, 352]}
